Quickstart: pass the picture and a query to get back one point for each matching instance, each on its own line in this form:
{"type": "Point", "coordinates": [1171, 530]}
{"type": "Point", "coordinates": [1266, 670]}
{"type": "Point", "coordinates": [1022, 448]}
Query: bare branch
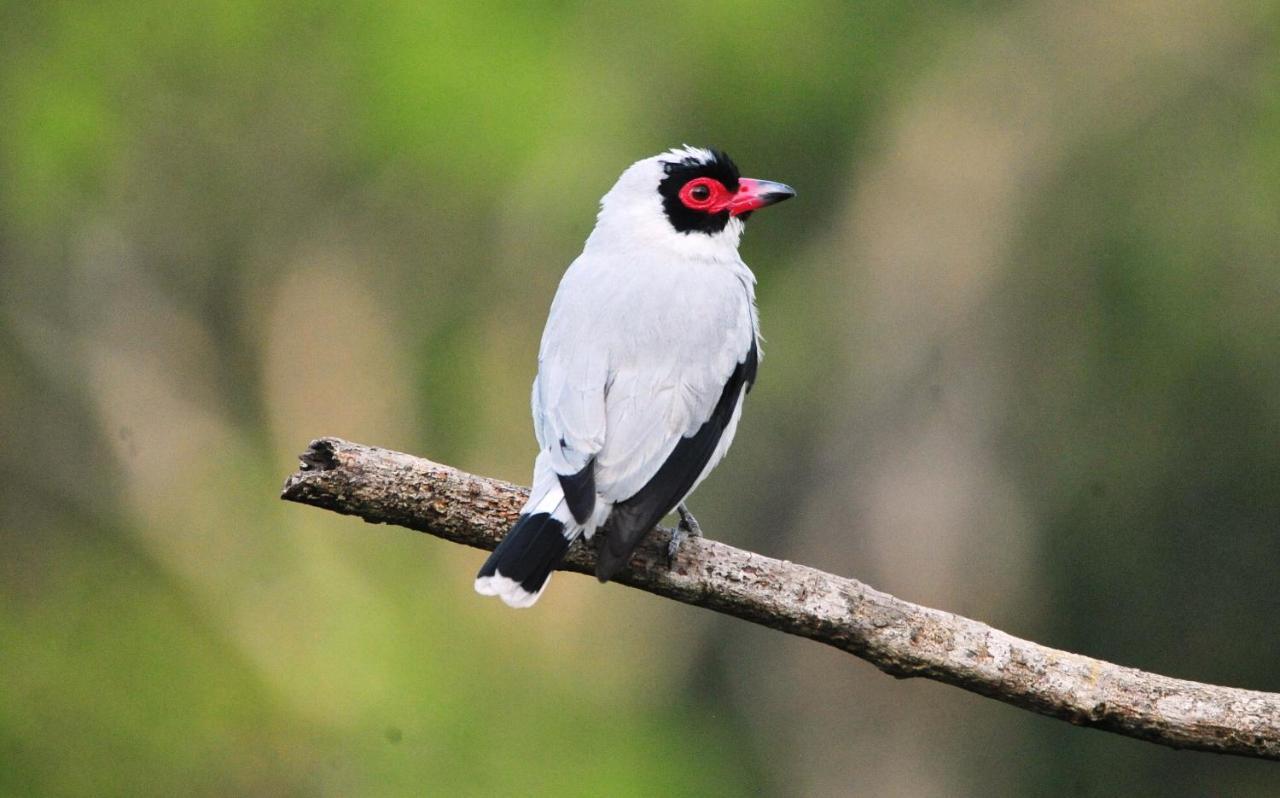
{"type": "Point", "coordinates": [898, 637]}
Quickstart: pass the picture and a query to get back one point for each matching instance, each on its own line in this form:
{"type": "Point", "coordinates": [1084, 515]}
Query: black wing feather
{"type": "Point", "coordinates": [580, 491]}
{"type": "Point", "coordinates": [632, 518]}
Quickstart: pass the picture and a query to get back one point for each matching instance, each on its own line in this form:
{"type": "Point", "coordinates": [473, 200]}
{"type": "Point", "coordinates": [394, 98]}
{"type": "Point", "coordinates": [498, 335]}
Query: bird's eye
{"type": "Point", "coordinates": [704, 194]}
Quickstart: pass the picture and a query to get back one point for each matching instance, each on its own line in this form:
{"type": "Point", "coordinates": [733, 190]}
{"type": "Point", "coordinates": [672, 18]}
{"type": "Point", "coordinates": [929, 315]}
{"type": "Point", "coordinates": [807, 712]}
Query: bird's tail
{"type": "Point", "coordinates": [520, 568]}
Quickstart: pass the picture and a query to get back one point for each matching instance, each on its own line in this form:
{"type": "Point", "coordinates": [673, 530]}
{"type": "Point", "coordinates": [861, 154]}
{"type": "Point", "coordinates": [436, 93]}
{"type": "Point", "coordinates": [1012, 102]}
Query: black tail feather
{"type": "Point", "coordinates": [529, 552]}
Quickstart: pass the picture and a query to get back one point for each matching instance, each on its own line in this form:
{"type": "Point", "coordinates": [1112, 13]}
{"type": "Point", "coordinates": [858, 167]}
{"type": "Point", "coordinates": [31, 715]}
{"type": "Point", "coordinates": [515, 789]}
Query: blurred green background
{"type": "Point", "coordinates": [1023, 338]}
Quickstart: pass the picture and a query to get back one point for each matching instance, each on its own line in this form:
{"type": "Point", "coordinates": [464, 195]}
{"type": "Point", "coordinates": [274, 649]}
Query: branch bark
{"type": "Point", "coordinates": [898, 637]}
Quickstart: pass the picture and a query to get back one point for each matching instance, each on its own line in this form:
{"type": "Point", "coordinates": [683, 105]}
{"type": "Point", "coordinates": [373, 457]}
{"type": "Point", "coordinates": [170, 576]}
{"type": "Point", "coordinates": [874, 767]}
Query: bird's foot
{"type": "Point", "coordinates": [687, 528]}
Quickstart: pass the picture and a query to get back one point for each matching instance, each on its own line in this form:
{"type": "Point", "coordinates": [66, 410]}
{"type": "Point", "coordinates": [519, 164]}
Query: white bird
{"type": "Point", "coordinates": [650, 347]}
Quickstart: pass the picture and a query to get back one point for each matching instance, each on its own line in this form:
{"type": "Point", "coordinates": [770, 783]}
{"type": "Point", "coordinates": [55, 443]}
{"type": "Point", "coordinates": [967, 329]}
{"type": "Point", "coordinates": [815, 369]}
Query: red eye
{"type": "Point", "coordinates": [704, 194]}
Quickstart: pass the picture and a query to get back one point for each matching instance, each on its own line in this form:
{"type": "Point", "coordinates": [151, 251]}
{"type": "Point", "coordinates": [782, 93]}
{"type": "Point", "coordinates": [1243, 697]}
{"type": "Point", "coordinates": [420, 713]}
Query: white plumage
{"type": "Point", "coordinates": [648, 328]}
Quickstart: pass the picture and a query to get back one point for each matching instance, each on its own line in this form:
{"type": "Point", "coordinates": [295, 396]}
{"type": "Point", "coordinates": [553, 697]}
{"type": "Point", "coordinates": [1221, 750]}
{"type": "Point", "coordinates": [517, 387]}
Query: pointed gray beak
{"type": "Point", "coordinates": [755, 194]}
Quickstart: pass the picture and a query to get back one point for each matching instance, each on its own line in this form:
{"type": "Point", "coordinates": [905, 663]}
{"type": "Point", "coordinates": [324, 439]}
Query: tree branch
{"type": "Point", "coordinates": [898, 637]}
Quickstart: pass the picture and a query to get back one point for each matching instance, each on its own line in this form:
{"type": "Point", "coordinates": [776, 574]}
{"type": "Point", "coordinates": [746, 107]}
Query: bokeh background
{"type": "Point", "coordinates": [1023, 363]}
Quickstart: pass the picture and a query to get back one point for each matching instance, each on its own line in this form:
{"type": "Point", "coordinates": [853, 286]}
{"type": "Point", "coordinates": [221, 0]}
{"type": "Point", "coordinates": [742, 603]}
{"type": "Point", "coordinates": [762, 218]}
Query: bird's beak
{"type": "Point", "coordinates": [754, 194]}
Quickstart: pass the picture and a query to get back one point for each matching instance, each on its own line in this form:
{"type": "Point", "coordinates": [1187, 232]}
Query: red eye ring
{"type": "Point", "coordinates": [704, 194]}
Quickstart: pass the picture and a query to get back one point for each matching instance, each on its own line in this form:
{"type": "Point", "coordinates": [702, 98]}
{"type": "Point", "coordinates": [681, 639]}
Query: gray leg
{"type": "Point", "coordinates": [688, 527]}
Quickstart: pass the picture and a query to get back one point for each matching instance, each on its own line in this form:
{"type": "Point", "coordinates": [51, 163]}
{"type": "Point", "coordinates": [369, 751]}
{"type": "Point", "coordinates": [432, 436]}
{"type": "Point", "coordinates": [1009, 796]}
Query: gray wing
{"type": "Point", "coordinates": [673, 403]}
{"type": "Point", "coordinates": [569, 401]}
{"type": "Point", "coordinates": [690, 459]}
{"type": "Point", "coordinates": [636, 360]}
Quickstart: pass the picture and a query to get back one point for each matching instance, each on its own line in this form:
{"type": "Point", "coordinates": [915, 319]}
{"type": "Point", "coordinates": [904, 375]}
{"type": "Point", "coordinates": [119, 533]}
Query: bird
{"type": "Point", "coordinates": [650, 347]}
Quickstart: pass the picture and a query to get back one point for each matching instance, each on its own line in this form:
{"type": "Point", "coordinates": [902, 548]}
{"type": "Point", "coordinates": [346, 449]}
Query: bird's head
{"type": "Point", "coordinates": [689, 199]}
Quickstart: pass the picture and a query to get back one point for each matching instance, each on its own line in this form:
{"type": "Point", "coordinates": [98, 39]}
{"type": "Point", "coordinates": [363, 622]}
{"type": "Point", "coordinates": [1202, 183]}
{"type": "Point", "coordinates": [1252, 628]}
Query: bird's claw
{"type": "Point", "coordinates": [687, 522]}
{"type": "Point", "coordinates": [687, 528]}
